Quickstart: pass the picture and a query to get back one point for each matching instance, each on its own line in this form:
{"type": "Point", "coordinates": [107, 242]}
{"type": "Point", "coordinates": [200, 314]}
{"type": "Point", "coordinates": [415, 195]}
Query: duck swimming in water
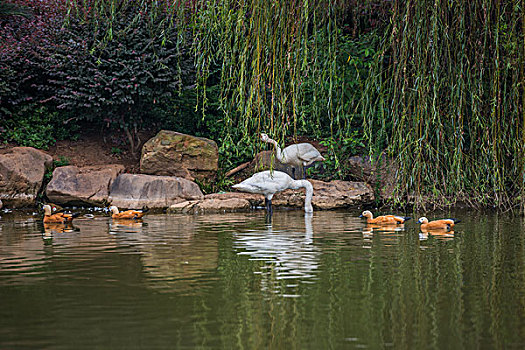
{"type": "Point", "coordinates": [128, 214]}
{"type": "Point", "coordinates": [383, 219]}
{"type": "Point", "coordinates": [439, 225]}
{"type": "Point", "coordinates": [60, 218]}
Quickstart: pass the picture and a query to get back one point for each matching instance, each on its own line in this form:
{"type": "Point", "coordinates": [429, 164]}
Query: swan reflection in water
{"type": "Point", "coordinates": [287, 254]}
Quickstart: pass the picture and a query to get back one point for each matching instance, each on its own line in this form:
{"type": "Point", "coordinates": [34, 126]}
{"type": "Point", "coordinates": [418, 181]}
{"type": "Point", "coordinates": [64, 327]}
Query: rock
{"type": "Point", "coordinates": [22, 171]}
{"type": "Point", "coordinates": [72, 185]}
{"type": "Point", "coordinates": [222, 205]}
{"type": "Point", "coordinates": [218, 203]}
{"type": "Point", "coordinates": [380, 175]}
{"type": "Point", "coordinates": [138, 190]}
{"type": "Point", "coordinates": [1, 204]}
{"type": "Point", "coordinates": [328, 195]}
{"type": "Point", "coordinates": [176, 154]}
{"type": "Point", "coordinates": [252, 198]}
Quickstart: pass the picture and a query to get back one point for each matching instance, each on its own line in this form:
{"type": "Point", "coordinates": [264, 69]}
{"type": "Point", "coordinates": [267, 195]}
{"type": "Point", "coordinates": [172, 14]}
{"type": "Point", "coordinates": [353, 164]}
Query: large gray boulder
{"type": "Point", "coordinates": [138, 190]}
{"type": "Point", "coordinates": [175, 154]}
{"type": "Point", "coordinates": [71, 185]}
{"type": "Point", "coordinates": [22, 171]}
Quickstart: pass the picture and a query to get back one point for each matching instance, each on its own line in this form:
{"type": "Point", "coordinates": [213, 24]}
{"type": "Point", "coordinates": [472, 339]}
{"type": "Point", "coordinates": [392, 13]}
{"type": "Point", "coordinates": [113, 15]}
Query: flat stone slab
{"type": "Point", "coordinates": [327, 195]}
{"type": "Point", "coordinates": [71, 185]}
{"type": "Point", "coordinates": [139, 190]}
{"type": "Point", "coordinates": [22, 171]}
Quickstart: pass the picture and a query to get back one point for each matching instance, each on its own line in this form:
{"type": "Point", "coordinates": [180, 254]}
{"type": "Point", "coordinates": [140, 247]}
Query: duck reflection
{"type": "Point", "coordinates": [389, 230]}
{"type": "Point", "coordinates": [370, 228]}
{"type": "Point", "coordinates": [54, 228]}
{"type": "Point", "coordinates": [442, 234]}
{"type": "Point", "coordinates": [287, 254]}
{"type": "Point", "coordinates": [126, 226]}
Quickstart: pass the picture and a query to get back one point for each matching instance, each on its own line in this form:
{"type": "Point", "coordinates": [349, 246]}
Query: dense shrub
{"type": "Point", "coordinates": [125, 82]}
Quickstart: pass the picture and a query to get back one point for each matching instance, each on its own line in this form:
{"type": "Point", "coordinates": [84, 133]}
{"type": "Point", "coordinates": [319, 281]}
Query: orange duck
{"type": "Point", "coordinates": [59, 218]}
{"type": "Point", "coordinates": [128, 214]}
{"type": "Point", "coordinates": [437, 225]}
{"type": "Point", "coordinates": [384, 219]}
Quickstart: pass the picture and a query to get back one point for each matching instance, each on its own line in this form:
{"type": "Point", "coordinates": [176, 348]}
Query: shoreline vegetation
{"type": "Point", "coordinates": [435, 88]}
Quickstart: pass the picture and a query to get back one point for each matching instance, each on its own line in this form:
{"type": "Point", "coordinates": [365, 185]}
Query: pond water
{"type": "Point", "coordinates": [236, 281]}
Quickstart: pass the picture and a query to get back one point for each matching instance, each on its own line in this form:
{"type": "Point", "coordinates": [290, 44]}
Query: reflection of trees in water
{"type": "Point", "coordinates": [176, 253]}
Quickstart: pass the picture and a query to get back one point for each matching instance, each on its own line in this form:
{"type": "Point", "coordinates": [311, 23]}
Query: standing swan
{"type": "Point", "coordinates": [299, 154]}
{"type": "Point", "coordinates": [268, 183]}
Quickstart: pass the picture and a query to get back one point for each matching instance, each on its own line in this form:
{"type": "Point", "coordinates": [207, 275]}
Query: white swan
{"type": "Point", "coordinates": [299, 154]}
{"type": "Point", "coordinates": [270, 182]}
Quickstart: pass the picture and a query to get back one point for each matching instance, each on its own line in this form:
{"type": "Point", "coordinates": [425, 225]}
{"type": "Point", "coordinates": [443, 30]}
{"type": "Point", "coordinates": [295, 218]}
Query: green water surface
{"type": "Point", "coordinates": [236, 281]}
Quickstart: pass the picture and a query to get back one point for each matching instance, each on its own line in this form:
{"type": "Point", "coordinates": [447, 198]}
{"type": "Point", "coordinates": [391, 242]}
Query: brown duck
{"type": "Point", "coordinates": [439, 225]}
{"type": "Point", "coordinates": [128, 214]}
{"type": "Point", "coordinates": [383, 219]}
{"type": "Point", "coordinates": [60, 218]}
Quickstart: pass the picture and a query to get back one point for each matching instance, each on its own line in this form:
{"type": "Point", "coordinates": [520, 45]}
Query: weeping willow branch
{"type": "Point", "coordinates": [448, 77]}
{"type": "Point", "coordinates": [443, 96]}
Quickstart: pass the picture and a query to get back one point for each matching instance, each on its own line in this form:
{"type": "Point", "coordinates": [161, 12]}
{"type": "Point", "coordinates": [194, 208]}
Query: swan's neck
{"type": "Point", "coordinates": [278, 151]}
{"type": "Point", "coordinates": [309, 193]}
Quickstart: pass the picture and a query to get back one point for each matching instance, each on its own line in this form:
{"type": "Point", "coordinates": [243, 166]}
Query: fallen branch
{"type": "Point", "coordinates": [236, 170]}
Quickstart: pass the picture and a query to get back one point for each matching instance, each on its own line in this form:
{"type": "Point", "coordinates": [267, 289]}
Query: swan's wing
{"type": "Point", "coordinates": [306, 152]}
{"type": "Point", "coordinates": [309, 156]}
{"type": "Point", "coordinates": [265, 182]}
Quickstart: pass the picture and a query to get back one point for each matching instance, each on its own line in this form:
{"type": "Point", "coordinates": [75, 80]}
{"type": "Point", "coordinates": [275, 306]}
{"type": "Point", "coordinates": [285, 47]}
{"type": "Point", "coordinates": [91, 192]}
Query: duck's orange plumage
{"type": "Point", "coordinates": [383, 219]}
{"type": "Point", "coordinates": [60, 218]}
{"type": "Point", "coordinates": [128, 214]}
{"type": "Point", "coordinates": [442, 224]}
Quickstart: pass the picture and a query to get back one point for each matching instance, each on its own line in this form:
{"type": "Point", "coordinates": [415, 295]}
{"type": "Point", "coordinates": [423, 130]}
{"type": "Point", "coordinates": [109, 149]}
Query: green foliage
{"type": "Point", "coordinates": [36, 127]}
{"type": "Point", "coordinates": [443, 98]}
{"type": "Point", "coordinates": [62, 161]}
{"type": "Point", "coordinates": [339, 151]}
{"type": "Point", "coordinates": [116, 150]}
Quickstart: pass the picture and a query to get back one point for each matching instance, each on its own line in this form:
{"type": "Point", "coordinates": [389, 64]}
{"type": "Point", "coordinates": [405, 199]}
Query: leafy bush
{"type": "Point", "coordinates": [36, 127]}
{"type": "Point", "coordinates": [115, 74]}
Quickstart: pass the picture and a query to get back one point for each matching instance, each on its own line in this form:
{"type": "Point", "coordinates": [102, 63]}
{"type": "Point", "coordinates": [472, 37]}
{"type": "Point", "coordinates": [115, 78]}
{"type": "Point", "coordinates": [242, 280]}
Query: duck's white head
{"type": "Point", "coordinates": [113, 209]}
{"type": "Point", "coordinates": [264, 137]}
{"type": "Point", "coordinates": [423, 220]}
{"type": "Point", "coordinates": [47, 209]}
{"type": "Point", "coordinates": [366, 214]}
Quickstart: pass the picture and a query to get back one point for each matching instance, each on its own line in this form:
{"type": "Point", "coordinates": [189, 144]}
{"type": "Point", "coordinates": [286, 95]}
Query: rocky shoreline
{"type": "Point", "coordinates": [170, 164]}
